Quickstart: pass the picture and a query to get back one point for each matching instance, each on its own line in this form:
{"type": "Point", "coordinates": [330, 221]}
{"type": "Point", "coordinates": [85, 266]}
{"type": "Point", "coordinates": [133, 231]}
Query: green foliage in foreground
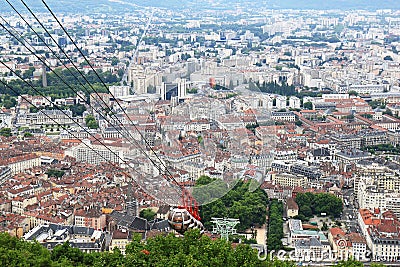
{"type": "Point", "coordinates": [193, 249]}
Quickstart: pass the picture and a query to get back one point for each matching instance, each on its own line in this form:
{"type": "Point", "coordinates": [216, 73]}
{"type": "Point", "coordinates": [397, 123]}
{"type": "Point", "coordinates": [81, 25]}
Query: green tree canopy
{"type": "Point", "coordinates": [5, 132]}
{"type": "Point", "coordinates": [314, 204]}
{"type": "Point", "coordinates": [91, 122]}
{"type": "Point", "coordinates": [77, 110]}
{"type": "Point", "coordinates": [239, 202]}
{"type": "Point", "coordinates": [308, 105]}
{"type": "Point", "coordinates": [193, 249]}
{"type": "Point", "coordinates": [148, 214]}
{"type": "Point", "coordinates": [55, 173]}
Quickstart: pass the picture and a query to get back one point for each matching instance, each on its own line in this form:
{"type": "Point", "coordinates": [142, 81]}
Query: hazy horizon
{"type": "Point", "coordinates": [126, 5]}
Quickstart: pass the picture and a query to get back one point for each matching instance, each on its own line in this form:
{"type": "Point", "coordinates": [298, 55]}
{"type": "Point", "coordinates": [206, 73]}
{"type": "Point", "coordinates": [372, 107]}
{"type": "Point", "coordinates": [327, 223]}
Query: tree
{"type": "Point", "coordinates": [114, 61]}
{"type": "Point", "coordinates": [192, 90]}
{"type": "Point", "coordinates": [193, 249]}
{"type": "Point", "coordinates": [275, 225]}
{"type": "Point", "coordinates": [324, 227]}
{"type": "Point", "coordinates": [389, 58]}
{"type": "Point", "coordinates": [5, 132]}
{"type": "Point", "coordinates": [375, 104]}
{"type": "Point", "coordinates": [55, 173]}
{"type": "Point", "coordinates": [308, 105]}
{"type": "Point", "coordinates": [28, 73]}
{"type": "Point", "coordinates": [352, 92]}
{"type": "Point", "coordinates": [147, 214]}
{"type": "Point", "coordinates": [349, 263]}
{"type": "Point", "coordinates": [33, 109]}
{"type": "Point", "coordinates": [9, 102]}
{"type": "Point", "coordinates": [315, 204]}
{"type": "Point", "coordinates": [27, 134]}
{"type": "Point", "coordinates": [388, 112]}
{"type": "Point", "coordinates": [239, 202]}
{"type": "Point", "coordinates": [91, 122]}
{"type": "Point", "coordinates": [77, 110]}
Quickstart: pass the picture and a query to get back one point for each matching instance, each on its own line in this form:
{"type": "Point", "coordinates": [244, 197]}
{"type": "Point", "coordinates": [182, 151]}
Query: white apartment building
{"type": "Point", "coordinates": [46, 117]}
{"type": "Point", "coordinates": [20, 163]}
{"type": "Point", "coordinates": [378, 189]}
{"type": "Point", "coordinates": [367, 88]}
{"type": "Point", "coordinates": [294, 102]}
{"type": "Point", "coordinates": [5, 119]}
{"type": "Point", "coordinates": [118, 91]}
{"type": "Point", "coordinates": [197, 125]}
{"type": "Point", "coordinates": [283, 116]}
{"type": "Point", "coordinates": [334, 96]}
{"type": "Point", "coordinates": [97, 154]}
{"type": "Point", "coordinates": [281, 102]}
{"type": "Point", "coordinates": [18, 204]}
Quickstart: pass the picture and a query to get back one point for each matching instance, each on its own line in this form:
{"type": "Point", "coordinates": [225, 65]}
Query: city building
{"type": "Point", "coordinates": [382, 233]}
{"type": "Point", "coordinates": [286, 179]}
{"type": "Point", "coordinates": [120, 238]}
{"type": "Point", "coordinates": [291, 207]}
{"type": "Point", "coordinates": [50, 235]}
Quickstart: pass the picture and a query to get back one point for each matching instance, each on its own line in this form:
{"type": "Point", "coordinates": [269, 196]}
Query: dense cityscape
{"type": "Point", "coordinates": [275, 130]}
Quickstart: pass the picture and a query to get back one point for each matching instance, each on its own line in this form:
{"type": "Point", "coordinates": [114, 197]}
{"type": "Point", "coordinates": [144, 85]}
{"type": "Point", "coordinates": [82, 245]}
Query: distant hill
{"type": "Point", "coordinates": [336, 4]}
{"type": "Point", "coordinates": [112, 6]}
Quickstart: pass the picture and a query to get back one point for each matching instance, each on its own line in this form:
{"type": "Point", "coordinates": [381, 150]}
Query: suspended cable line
{"type": "Point", "coordinates": [71, 118]}
{"type": "Point", "coordinates": [99, 97]}
{"type": "Point", "coordinates": [101, 80]}
{"type": "Point", "coordinates": [66, 55]}
{"type": "Point", "coordinates": [188, 211]}
{"type": "Point", "coordinates": [75, 91]}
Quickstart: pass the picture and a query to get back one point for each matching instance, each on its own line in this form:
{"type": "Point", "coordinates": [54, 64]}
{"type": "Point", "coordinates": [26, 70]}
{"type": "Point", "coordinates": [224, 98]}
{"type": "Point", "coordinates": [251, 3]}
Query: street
{"type": "Point", "coordinates": [349, 215]}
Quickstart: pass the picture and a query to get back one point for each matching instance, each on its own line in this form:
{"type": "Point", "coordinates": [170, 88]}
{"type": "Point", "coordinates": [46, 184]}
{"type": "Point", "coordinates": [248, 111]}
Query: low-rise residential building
{"type": "Point", "coordinates": [18, 204]}
{"type": "Point", "coordinates": [120, 238]}
{"type": "Point", "coordinates": [20, 162]}
{"type": "Point", "coordinates": [286, 179]}
{"type": "Point", "coordinates": [5, 173]}
{"type": "Point", "coordinates": [394, 137]}
{"type": "Point", "coordinates": [309, 250]}
{"type": "Point", "coordinates": [351, 245]}
{"type": "Point", "coordinates": [382, 233]}
{"type": "Point", "coordinates": [92, 218]}
{"type": "Point", "coordinates": [283, 116]}
{"type": "Point", "coordinates": [291, 207]}
{"type": "Point", "coordinates": [50, 235]}
{"type": "Point", "coordinates": [294, 102]}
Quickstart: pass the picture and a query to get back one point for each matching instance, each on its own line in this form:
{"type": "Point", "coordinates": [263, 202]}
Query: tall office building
{"type": "Point", "coordinates": [182, 87]}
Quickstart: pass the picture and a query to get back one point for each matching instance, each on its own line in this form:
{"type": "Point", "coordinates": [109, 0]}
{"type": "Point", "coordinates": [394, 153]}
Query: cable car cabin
{"type": "Point", "coordinates": [181, 220]}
